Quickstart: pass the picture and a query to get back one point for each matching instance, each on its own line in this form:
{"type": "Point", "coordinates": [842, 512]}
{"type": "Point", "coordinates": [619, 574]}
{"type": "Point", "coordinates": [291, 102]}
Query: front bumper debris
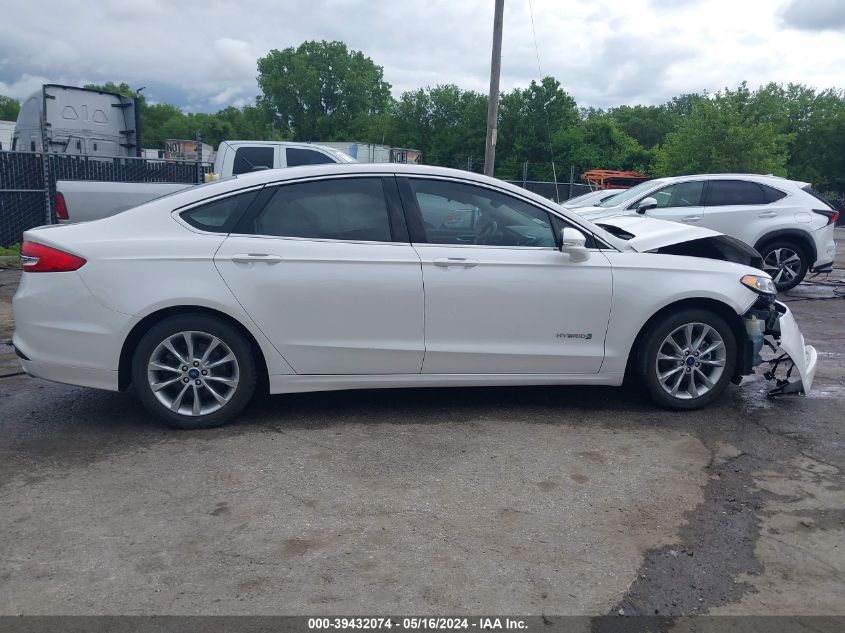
{"type": "Point", "coordinates": [790, 364]}
{"type": "Point", "coordinates": [793, 357]}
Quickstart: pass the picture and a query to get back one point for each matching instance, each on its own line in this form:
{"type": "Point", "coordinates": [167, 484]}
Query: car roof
{"type": "Point", "coordinates": [764, 178]}
{"type": "Point", "coordinates": [273, 176]}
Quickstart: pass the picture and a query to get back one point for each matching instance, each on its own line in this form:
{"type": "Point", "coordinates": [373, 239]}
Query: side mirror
{"type": "Point", "coordinates": [646, 204]}
{"type": "Point", "coordinates": [573, 243]}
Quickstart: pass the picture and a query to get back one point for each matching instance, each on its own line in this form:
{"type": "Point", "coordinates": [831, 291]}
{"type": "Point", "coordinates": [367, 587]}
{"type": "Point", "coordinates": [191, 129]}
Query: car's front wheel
{"type": "Point", "coordinates": [193, 371]}
{"type": "Point", "coordinates": [787, 263]}
{"type": "Point", "coordinates": [687, 359]}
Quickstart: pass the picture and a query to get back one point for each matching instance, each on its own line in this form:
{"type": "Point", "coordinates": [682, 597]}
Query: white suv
{"type": "Point", "coordinates": [789, 224]}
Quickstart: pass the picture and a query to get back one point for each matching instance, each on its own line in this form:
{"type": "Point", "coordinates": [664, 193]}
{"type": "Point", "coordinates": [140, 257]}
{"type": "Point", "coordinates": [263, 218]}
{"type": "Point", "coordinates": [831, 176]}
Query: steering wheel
{"type": "Point", "coordinates": [487, 233]}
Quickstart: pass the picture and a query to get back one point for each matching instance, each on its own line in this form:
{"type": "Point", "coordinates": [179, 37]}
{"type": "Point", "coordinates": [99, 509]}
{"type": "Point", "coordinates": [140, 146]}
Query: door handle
{"type": "Point", "coordinates": [692, 218]}
{"type": "Point", "coordinates": [249, 258]}
{"type": "Point", "coordinates": [768, 214]}
{"type": "Point", "coordinates": [444, 262]}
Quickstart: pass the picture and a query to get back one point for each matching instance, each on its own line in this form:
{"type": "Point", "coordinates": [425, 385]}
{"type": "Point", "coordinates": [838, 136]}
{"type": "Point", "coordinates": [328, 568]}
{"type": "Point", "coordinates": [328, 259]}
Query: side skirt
{"type": "Point", "coordinates": [298, 383]}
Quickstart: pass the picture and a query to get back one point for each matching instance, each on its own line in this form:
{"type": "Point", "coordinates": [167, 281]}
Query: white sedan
{"type": "Point", "coordinates": [364, 276]}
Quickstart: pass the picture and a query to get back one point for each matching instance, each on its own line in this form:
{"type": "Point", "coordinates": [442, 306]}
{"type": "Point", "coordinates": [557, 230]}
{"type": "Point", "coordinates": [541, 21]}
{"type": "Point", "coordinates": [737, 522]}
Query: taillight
{"type": "Point", "coordinates": [832, 216]}
{"type": "Point", "coordinates": [37, 258]}
{"type": "Point", "coordinates": [60, 206]}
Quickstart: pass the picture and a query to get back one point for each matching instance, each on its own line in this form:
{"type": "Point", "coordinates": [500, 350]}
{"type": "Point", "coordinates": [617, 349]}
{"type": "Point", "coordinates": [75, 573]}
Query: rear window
{"type": "Point", "coordinates": [772, 194]}
{"type": "Point", "coordinates": [248, 158]}
{"type": "Point", "coordinates": [817, 196]}
{"type": "Point", "coordinates": [297, 157]}
{"type": "Point", "coordinates": [219, 216]}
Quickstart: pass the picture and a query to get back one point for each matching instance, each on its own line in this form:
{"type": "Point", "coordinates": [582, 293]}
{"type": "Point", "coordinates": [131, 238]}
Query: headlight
{"type": "Point", "coordinates": [759, 284]}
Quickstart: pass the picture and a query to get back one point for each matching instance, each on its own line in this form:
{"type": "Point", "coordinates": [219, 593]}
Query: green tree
{"type": "Point", "coordinates": [598, 143]}
{"type": "Point", "coordinates": [530, 119]}
{"type": "Point", "coordinates": [122, 88]}
{"type": "Point", "coordinates": [410, 121]}
{"type": "Point", "coordinates": [447, 124]}
{"type": "Point", "coordinates": [817, 153]}
{"type": "Point", "coordinates": [718, 136]}
{"type": "Point", "coordinates": [320, 89]}
{"type": "Point", "coordinates": [649, 125]}
{"type": "Point", "coordinates": [9, 108]}
{"type": "Point", "coordinates": [161, 121]}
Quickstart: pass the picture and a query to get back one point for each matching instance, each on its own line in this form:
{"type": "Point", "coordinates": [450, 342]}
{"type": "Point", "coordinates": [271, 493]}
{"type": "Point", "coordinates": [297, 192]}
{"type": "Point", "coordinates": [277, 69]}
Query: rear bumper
{"type": "Point", "coordinates": [82, 376]}
{"type": "Point", "coordinates": [63, 334]}
{"type": "Point", "coordinates": [822, 268]}
{"type": "Point", "coordinates": [825, 248]}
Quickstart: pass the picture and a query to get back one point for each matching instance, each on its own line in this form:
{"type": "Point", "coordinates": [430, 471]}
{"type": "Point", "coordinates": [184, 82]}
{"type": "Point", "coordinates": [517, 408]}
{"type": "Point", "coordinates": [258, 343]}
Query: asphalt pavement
{"type": "Point", "coordinates": [544, 500]}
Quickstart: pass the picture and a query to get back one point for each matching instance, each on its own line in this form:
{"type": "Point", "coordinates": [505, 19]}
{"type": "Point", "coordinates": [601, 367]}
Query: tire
{"type": "Point", "coordinates": [217, 348]}
{"type": "Point", "coordinates": [715, 366]}
{"type": "Point", "coordinates": [779, 261]}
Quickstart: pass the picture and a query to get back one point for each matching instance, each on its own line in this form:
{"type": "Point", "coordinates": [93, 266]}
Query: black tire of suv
{"type": "Point", "coordinates": [650, 345]}
{"type": "Point", "coordinates": [202, 323]}
{"type": "Point", "coordinates": [800, 250]}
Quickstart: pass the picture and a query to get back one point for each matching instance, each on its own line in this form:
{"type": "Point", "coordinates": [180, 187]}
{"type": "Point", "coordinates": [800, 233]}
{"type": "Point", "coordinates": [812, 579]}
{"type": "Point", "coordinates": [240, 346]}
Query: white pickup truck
{"type": "Point", "coordinates": [82, 200]}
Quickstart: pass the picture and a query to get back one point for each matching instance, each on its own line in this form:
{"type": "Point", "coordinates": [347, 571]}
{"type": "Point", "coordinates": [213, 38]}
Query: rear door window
{"type": "Point", "coordinates": [353, 209]}
{"type": "Point", "coordinates": [297, 156]}
{"type": "Point", "coordinates": [219, 216]}
{"type": "Point", "coordinates": [248, 158]}
{"type": "Point", "coordinates": [724, 193]}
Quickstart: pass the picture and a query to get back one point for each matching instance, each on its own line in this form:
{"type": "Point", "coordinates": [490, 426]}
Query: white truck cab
{"type": "Point", "coordinates": [240, 157]}
{"type": "Point", "coordinates": [84, 200]}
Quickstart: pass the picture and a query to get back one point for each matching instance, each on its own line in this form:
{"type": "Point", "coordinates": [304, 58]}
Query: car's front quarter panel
{"type": "Point", "coordinates": [645, 283]}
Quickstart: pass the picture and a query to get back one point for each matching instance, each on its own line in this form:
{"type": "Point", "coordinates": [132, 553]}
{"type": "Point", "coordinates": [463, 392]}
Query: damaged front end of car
{"type": "Point", "coordinates": [767, 334]}
{"type": "Point", "coordinates": [772, 339]}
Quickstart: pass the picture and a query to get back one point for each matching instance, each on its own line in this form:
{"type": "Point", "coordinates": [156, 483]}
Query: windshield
{"type": "Point", "coordinates": [590, 195]}
{"type": "Point", "coordinates": [631, 194]}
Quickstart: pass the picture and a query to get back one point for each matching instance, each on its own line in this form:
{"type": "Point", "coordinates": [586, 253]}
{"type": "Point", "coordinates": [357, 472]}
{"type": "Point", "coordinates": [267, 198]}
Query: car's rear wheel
{"type": "Point", "coordinates": [786, 262]}
{"type": "Point", "coordinates": [193, 371]}
{"type": "Point", "coordinates": [687, 359]}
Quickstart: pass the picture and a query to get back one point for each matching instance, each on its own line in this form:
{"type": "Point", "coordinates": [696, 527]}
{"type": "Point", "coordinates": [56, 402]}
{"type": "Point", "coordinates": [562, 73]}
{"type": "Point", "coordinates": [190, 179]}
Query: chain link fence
{"type": "Point", "coordinates": [26, 195]}
{"type": "Point", "coordinates": [22, 194]}
{"type": "Point", "coordinates": [559, 192]}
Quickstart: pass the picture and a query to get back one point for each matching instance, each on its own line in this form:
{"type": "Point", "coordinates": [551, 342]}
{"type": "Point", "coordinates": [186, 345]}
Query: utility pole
{"type": "Point", "coordinates": [493, 102]}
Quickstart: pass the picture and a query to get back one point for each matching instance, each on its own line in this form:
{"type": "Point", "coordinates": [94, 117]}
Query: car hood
{"type": "Point", "coordinates": [648, 234]}
{"type": "Point", "coordinates": [596, 213]}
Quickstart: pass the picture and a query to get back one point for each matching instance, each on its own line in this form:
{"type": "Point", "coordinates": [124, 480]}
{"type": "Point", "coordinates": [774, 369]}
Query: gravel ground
{"type": "Point", "coordinates": [499, 500]}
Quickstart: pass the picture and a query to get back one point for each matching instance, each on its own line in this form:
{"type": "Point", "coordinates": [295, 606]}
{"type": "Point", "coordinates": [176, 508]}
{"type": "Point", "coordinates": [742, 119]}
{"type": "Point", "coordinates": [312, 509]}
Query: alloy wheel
{"type": "Point", "coordinates": [193, 373]}
{"type": "Point", "coordinates": [783, 264]}
{"type": "Point", "coordinates": [690, 361]}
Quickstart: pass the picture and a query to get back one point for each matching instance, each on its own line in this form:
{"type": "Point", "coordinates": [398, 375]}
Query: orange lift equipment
{"type": "Point", "coordinates": [611, 179]}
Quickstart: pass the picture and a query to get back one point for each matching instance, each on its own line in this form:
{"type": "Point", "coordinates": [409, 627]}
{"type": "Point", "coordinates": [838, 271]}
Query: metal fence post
{"type": "Point", "coordinates": [199, 158]}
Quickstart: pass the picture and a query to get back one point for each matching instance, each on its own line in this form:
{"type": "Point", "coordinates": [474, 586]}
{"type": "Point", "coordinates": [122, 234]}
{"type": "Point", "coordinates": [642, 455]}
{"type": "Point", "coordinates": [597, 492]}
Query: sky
{"type": "Point", "coordinates": [201, 55]}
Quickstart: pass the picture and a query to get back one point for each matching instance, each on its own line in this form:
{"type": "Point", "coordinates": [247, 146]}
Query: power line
{"type": "Point", "coordinates": [545, 107]}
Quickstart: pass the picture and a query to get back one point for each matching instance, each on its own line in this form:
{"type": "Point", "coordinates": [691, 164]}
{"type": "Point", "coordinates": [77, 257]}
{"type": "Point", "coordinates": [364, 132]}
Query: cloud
{"type": "Point", "coordinates": [814, 15]}
{"type": "Point", "coordinates": [26, 85]}
{"type": "Point", "coordinates": [226, 96]}
{"type": "Point", "coordinates": [663, 5]}
{"type": "Point", "coordinates": [201, 54]}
